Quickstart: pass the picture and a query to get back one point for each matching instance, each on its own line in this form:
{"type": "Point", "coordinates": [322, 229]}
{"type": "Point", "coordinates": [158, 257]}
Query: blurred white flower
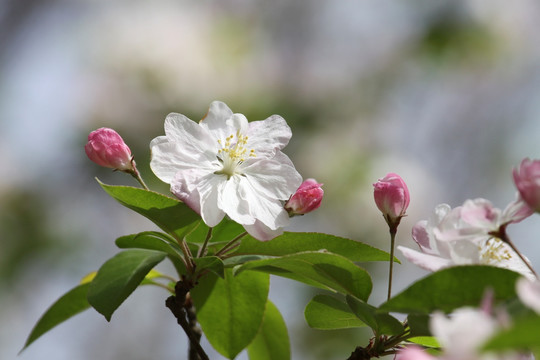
{"type": "Point", "coordinates": [466, 235]}
{"type": "Point", "coordinates": [529, 293]}
{"type": "Point", "coordinates": [224, 165]}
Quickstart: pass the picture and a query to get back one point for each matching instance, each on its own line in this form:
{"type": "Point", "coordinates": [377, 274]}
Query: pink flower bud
{"type": "Point", "coordinates": [106, 148]}
{"type": "Point", "coordinates": [392, 197]}
{"type": "Point", "coordinates": [527, 180]}
{"type": "Point", "coordinates": [306, 199]}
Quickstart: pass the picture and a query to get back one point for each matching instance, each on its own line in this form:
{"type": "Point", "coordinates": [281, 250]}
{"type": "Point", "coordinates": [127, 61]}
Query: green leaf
{"type": "Point", "coordinates": [381, 323]}
{"type": "Point", "coordinates": [211, 263]}
{"type": "Point", "coordinates": [231, 310]}
{"type": "Point", "coordinates": [67, 306]}
{"type": "Point", "coordinates": [426, 341]}
{"type": "Point", "coordinates": [419, 325]}
{"type": "Point", "coordinates": [118, 277]}
{"type": "Point", "coordinates": [171, 215]}
{"type": "Point", "coordinates": [330, 271]}
{"type": "Point", "coordinates": [293, 242]}
{"type": "Point", "coordinates": [524, 333]}
{"type": "Point", "coordinates": [149, 240]}
{"type": "Point", "coordinates": [272, 341]}
{"type": "Point", "coordinates": [454, 287]}
{"type": "Point", "coordinates": [328, 313]}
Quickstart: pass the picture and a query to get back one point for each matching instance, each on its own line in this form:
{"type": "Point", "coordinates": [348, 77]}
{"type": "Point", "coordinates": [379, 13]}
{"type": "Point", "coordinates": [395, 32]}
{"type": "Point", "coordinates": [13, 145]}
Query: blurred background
{"type": "Point", "coordinates": [445, 93]}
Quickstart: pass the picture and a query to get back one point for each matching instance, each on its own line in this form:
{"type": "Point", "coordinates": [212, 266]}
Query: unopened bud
{"type": "Point", "coordinates": [392, 197]}
{"type": "Point", "coordinates": [527, 180]}
{"type": "Point", "coordinates": [307, 198]}
{"type": "Point", "coordinates": [106, 147]}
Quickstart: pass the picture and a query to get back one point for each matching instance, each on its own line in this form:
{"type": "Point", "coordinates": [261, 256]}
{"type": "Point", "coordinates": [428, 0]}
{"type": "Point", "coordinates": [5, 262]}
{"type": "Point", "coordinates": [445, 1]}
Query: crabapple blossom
{"type": "Point", "coordinates": [527, 181]}
{"type": "Point", "coordinates": [461, 336]}
{"type": "Point", "coordinates": [307, 198]}
{"type": "Point", "coordinates": [224, 165]}
{"type": "Point", "coordinates": [392, 197]}
{"type": "Point", "coordinates": [446, 239]}
{"type": "Point", "coordinates": [106, 148]}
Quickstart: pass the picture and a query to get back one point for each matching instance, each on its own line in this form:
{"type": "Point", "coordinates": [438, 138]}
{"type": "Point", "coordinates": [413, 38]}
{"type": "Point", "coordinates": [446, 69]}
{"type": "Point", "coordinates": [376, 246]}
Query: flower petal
{"type": "Point", "coordinates": [168, 159]}
{"type": "Point", "coordinates": [192, 138]}
{"type": "Point", "coordinates": [262, 232]}
{"type": "Point", "coordinates": [274, 179]}
{"type": "Point", "coordinates": [267, 136]}
{"type": "Point", "coordinates": [425, 261]}
{"type": "Point", "coordinates": [215, 120]}
{"type": "Point", "coordinates": [209, 188]}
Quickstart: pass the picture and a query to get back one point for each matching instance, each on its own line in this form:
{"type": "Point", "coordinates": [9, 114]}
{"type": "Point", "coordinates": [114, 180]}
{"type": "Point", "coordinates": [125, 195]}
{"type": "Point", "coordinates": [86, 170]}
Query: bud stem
{"type": "Point", "coordinates": [393, 230]}
{"type": "Point", "coordinates": [505, 238]}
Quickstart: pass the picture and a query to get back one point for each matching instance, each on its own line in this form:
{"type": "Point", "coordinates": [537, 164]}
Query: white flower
{"type": "Point", "coordinates": [224, 165]}
{"type": "Point", "coordinates": [461, 334]}
{"type": "Point", "coordinates": [447, 239]}
{"type": "Point", "coordinates": [529, 293]}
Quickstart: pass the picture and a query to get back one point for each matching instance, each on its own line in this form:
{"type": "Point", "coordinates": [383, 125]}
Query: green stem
{"type": "Point", "coordinates": [393, 230]}
{"type": "Point", "coordinates": [135, 173]}
{"type": "Point", "coordinates": [188, 256]}
{"type": "Point", "coordinates": [202, 250]}
{"type": "Point", "coordinates": [230, 244]}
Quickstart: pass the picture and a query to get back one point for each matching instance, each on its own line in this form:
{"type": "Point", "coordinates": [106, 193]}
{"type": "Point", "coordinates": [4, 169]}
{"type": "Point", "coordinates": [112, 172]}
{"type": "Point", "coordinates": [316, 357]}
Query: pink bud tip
{"type": "Point", "coordinates": [527, 180]}
{"type": "Point", "coordinates": [307, 198]}
{"type": "Point", "coordinates": [106, 147]}
{"type": "Point", "coordinates": [391, 196]}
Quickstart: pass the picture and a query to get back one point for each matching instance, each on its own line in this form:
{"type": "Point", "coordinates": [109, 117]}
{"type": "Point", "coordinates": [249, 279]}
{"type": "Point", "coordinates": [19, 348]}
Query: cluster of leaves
{"type": "Point", "coordinates": [230, 289]}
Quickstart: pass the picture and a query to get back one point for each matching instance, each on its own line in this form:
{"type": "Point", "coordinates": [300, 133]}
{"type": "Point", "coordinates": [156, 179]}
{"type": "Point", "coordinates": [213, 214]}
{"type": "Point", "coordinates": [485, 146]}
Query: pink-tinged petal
{"type": "Point", "coordinates": [391, 196]}
{"type": "Point", "coordinates": [529, 293]}
{"type": "Point", "coordinates": [527, 181]}
{"type": "Point", "coordinates": [267, 136]}
{"type": "Point", "coordinates": [413, 352]}
{"type": "Point", "coordinates": [262, 232]}
{"type": "Point", "coordinates": [425, 261]}
{"type": "Point", "coordinates": [184, 187]}
{"type": "Point", "coordinates": [421, 237]}
{"type": "Point", "coordinates": [516, 211]}
{"type": "Point", "coordinates": [481, 213]}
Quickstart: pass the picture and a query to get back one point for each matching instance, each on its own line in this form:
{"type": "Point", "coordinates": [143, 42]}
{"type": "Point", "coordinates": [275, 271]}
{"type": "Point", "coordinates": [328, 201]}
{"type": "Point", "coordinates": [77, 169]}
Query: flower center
{"type": "Point", "coordinates": [232, 153]}
{"type": "Point", "coordinates": [494, 252]}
